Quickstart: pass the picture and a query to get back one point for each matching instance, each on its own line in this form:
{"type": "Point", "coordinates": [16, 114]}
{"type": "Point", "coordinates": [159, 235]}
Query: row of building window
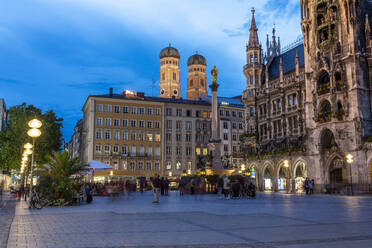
{"type": "Point", "coordinates": [178, 165]}
{"type": "Point", "coordinates": [128, 150]}
{"type": "Point", "coordinates": [233, 125]}
{"type": "Point", "coordinates": [277, 126]}
{"type": "Point", "coordinates": [125, 109]}
{"type": "Point", "coordinates": [191, 83]}
{"type": "Point", "coordinates": [233, 113]}
{"type": "Point", "coordinates": [226, 137]}
{"type": "Point", "coordinates": [198, 138]}
{"type": "Point", "coordinates": [169, 62]}
{"type": "Point", "coordinates": [188, 125]}
{"type": "Point", "coordinates": [277, 105]}
{"type": "Point", "coordinates": [126, 135]}
{"type": "Point", "coordinates": [197, 69]}
{"type": "Point", "coordinates": [126, 122]}
{"type": "Point", "coordinates": [134, 165]}
{"type": "Point", "coordinates": [168, 150]}
{"type": "Point", "coordinates": [226, 148]}
{"type": "Point", "coordinates": [174, 76]}
{"type": "Point", "coordinates": [188, 113]}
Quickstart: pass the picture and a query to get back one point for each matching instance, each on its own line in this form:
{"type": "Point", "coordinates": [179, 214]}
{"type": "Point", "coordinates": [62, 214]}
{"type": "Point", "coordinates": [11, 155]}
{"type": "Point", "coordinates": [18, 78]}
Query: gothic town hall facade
{"type": "Point", "coordinates": [309, 107]}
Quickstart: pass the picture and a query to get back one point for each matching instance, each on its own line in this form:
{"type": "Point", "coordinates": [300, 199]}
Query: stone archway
{"type": "Point", "coordinates": [338, 171]}
{"type": "Point", "coordinates": [268, 175]}
{"type": "Point", "coordinates": [300, 174]}
{"type": "Point", "coordinates": [283, 177]}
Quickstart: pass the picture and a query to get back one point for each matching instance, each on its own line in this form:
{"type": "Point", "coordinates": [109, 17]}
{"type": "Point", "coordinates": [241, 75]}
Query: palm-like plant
{"type": "Point", "coordinates": [56, 176]}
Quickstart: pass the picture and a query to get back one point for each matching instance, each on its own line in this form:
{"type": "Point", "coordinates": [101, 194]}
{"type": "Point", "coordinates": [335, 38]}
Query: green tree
{"type": "Point", "coordinates": [15, 135]}
{"type": "Point", "coordinates": [56, 180]}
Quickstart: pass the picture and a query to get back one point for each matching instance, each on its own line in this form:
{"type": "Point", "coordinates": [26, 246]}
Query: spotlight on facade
{"type": "Point", "coordinates": [349, 158]}
{"type": "Point", "coordinates": [286, 163]}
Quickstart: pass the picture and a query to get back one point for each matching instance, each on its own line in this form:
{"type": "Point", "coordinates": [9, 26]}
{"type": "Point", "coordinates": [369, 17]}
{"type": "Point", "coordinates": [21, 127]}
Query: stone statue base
{"type": "Point", "coordinates": [215, 148]}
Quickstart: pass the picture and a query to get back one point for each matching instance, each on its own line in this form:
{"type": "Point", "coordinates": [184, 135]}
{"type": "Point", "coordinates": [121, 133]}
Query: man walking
{"type": "Point", "coordinates": [156, 183]}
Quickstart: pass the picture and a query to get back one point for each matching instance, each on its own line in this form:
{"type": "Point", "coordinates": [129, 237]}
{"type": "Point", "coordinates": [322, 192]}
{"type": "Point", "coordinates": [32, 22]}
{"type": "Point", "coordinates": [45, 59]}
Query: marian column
{"type": "Point", "coordinates": [214, 142]}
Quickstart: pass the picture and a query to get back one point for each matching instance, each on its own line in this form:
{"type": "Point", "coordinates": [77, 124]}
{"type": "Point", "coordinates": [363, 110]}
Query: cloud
{"type": "Point", "coordinates": [63, 50]}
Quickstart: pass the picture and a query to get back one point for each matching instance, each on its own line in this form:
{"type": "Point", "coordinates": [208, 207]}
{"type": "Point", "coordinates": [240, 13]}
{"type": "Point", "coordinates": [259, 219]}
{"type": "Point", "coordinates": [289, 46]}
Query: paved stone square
{"type": "Point", "coordinates": [271, 220]}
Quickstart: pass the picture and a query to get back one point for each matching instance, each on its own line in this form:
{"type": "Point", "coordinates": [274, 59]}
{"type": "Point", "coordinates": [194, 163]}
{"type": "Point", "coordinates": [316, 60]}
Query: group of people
{"type": "Point", "coordinates": [159, 185]}
{"type": "Point", "coordinates": [309, 186]}
{"type": "Point", "coordinates": [235, 189]}
{"type": "Point", "coordinates": [194, 185]}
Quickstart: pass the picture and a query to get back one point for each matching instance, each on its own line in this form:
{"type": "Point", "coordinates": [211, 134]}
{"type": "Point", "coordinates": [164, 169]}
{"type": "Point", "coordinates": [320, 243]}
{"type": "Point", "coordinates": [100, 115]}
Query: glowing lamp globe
{"type": "Point", "coordinates": [28, 151]}
{"type": "Point", "coordinates": [24, 159]}
{"type": "Point", "coordinates": [27, 146]}
{"type": "Point", "coordinates": [34, 133]}
{"type": "Point", "coordinates": [35, 123]}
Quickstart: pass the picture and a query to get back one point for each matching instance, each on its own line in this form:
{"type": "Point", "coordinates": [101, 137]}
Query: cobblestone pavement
{"type": "Point", "coordinates": [271, 220]}
{"type": "Point", "coordinates": [7, 209]}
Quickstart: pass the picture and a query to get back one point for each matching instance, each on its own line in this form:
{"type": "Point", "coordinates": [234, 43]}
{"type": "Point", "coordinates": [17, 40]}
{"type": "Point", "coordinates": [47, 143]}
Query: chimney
{"type": "Point", "coordinates": [110, 91]}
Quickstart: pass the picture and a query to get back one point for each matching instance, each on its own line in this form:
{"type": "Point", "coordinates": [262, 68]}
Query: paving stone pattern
{"type": "Point", "coordinates": [7, 209]}
{"type": "Point", "coordinates": [272, 220]}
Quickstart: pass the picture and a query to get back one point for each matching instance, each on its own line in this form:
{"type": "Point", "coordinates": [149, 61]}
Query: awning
{"type": "Point", "coordinates": [96, 165]}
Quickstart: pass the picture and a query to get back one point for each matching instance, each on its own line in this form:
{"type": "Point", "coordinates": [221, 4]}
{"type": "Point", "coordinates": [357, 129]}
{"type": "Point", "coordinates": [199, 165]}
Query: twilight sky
{"type": "Point", "coordinates": [54, 53]}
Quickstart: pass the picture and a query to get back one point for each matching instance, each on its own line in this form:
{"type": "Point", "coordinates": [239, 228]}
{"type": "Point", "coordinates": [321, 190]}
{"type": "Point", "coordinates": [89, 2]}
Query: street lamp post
{"type": "Point", "coordinates": [349, 160]}
{"type": "Point", "coordinates": [34, 132]}
{"type": "Point", "coordinates": [286, 165]}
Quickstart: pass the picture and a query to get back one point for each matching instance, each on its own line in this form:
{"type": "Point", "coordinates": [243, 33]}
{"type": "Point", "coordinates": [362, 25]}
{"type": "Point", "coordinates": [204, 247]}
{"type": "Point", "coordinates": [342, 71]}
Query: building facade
{"type": "Point", "coordinates": [125, 131]}
{"type": "Point", "coordinates": [309, 106]}
{"type": "Point", "coordinates": [187, 132]}
{"type": "Point", "coordinates": [74, 146]}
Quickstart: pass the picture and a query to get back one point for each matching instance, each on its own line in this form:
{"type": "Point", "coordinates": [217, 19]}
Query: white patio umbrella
{"type": "Point", "coordinates": [96, 165]}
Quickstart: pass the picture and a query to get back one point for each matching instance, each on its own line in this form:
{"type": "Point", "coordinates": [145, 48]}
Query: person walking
{"type": "Point", "coordinates": [226, 187]}
{"type": "Point", "coordinates": [88, 192]}
{"type": "Point", "coordinates": [219, 187]}
{"type": "Point", "coordinates": [166, 186]}
{"type": "Point", "coordinates": [181, 185]}
{"type": "Point", "coordinates": [312, 186]}
{"type": "Point", "coordinates": [162, 186]}
{"type": "Point", "coordinates": [142, 184]}
{"type": "Point", "coordinates": [156, 184]}
{"type": "Point", "coordinates": [307, 182]}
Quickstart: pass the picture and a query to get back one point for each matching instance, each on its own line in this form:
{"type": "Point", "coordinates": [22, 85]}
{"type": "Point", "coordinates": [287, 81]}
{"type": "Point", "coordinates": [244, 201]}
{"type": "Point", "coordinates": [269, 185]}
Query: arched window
{"type": "Point", "coordinates": [191, 82]}
{"type": "Point", "coordinates": [327, 140]}
{"type": "Point", "coordinates": [323, 83]}
{"type": "Point", "coordinates": [201, 82]}
{"type": "Point", "coordinates": [340, 111]}
{"type": "Point", "coordinates": [174, 76]}
{"type": "Point", "coordinates": [325, 112]}
{"type": "Point", "coordinates": [338, 81]}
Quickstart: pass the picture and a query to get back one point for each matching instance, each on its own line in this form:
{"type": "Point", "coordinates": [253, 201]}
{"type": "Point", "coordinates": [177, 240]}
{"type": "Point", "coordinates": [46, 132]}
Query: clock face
{"type": "Point", "coordinates": [175, 92]}
{"type": "Point", "coordinates": [162, 91]}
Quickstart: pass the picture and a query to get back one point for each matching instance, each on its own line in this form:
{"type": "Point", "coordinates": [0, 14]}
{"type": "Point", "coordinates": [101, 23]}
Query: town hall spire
{"type": "Point", "coordinates": [253, 37]}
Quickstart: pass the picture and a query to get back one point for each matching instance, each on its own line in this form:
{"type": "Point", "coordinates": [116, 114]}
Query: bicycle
{"type": "Point", "coordinates": [35, 200]}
